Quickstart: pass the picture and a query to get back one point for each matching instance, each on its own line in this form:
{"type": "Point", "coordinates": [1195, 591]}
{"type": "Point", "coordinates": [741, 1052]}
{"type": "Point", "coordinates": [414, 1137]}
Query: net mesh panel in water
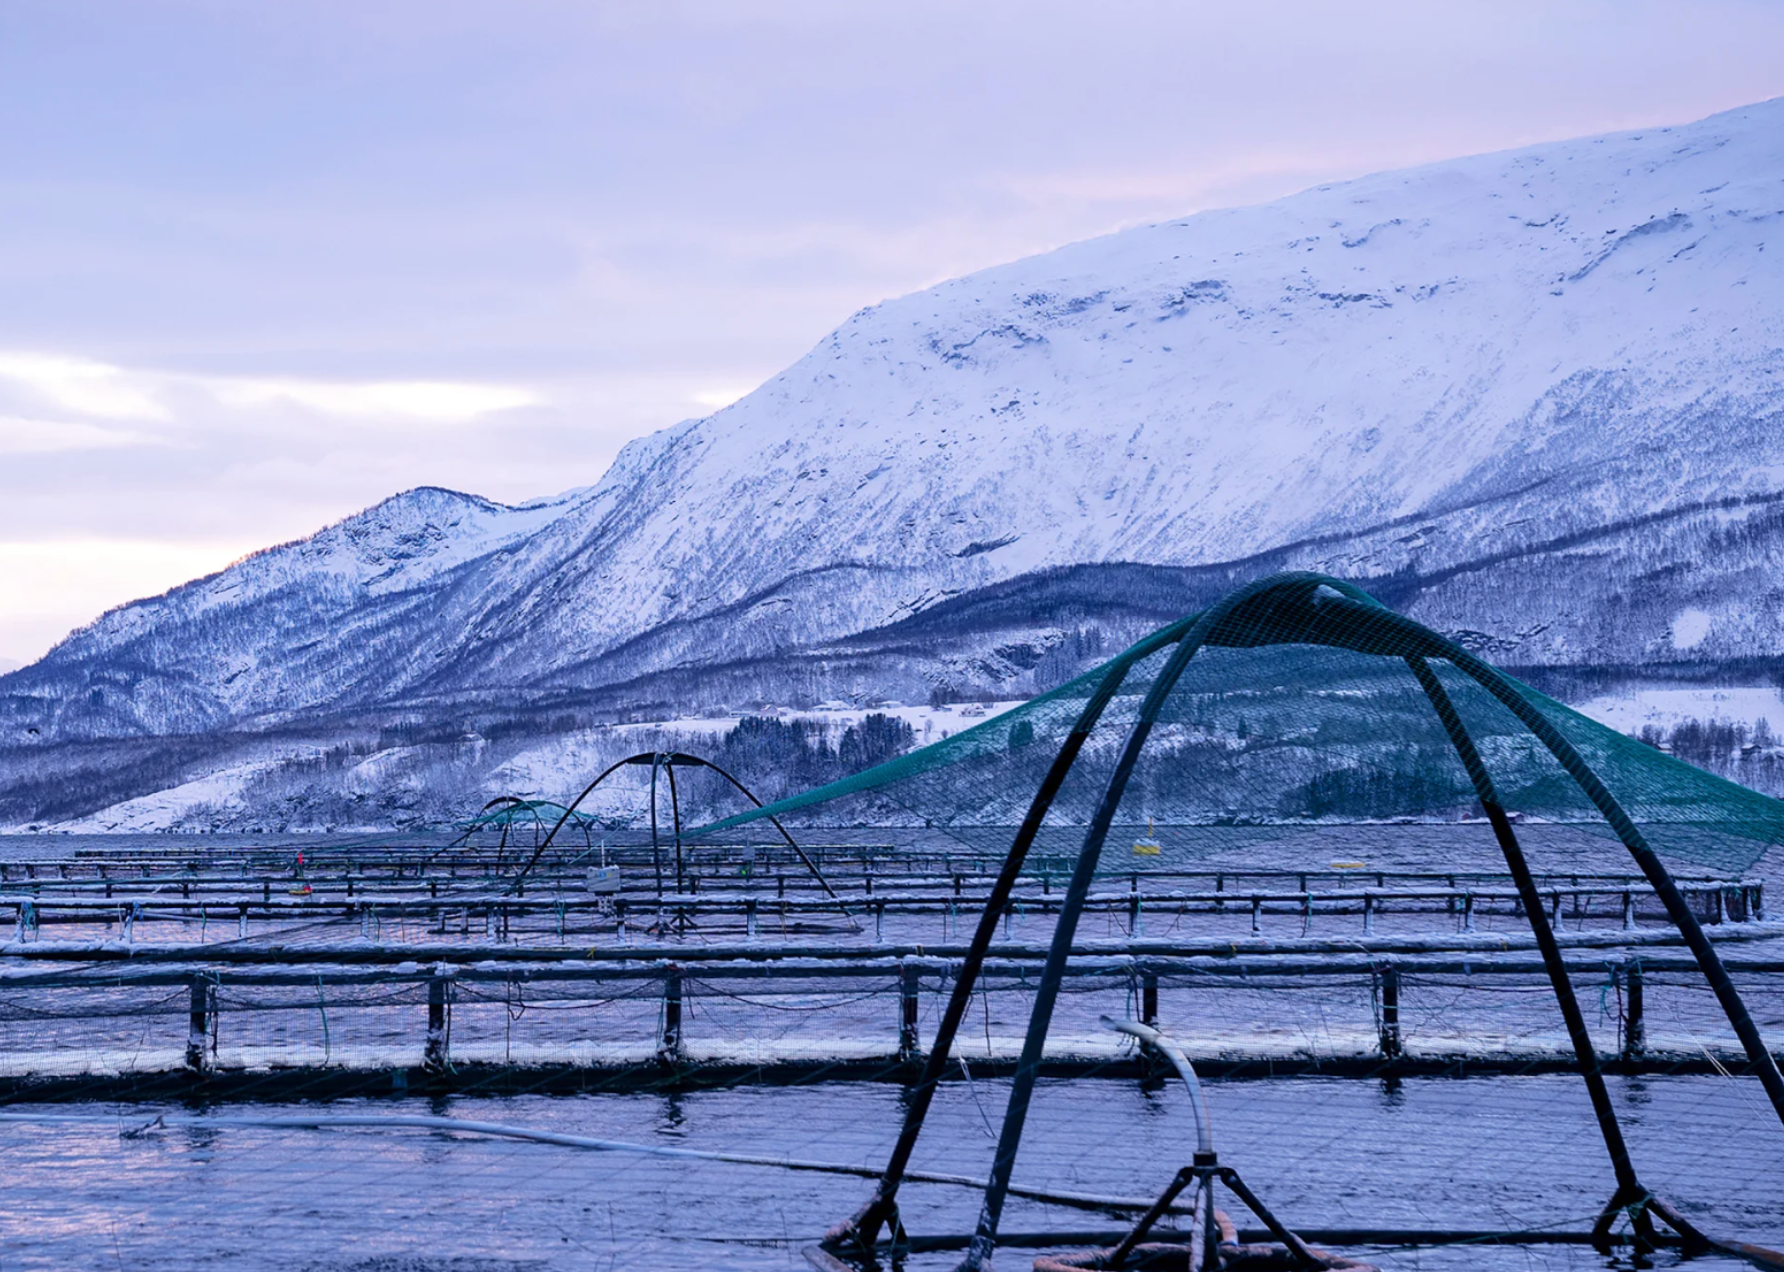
{"type": "Point", "coordinates": [1279, 736]}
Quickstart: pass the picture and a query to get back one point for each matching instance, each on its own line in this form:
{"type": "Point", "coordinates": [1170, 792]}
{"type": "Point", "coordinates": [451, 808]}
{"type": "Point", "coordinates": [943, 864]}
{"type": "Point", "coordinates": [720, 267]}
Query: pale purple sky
{"type": "Point", "coordinates": [264, 264]}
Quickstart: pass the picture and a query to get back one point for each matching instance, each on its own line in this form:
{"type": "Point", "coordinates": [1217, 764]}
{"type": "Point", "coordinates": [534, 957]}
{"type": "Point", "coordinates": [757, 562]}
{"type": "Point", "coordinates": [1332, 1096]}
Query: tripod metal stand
{"type": "Point", "coordinates": [1213, 1242]}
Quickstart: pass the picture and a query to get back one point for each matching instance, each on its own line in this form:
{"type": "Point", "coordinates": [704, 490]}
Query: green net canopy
{"type": "Point", "coordinates": [1296, 703]}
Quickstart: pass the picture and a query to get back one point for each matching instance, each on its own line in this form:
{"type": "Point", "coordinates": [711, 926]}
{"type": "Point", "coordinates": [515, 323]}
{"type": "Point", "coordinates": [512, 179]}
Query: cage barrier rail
{"type": "Point", "coordinates": [901, 979]}
{"type": "Point", "coordinates": [271, 949]}
{"type": "Point", "coordinates": [1735, 902]}
{"type": "Point", "coordinates": [575, 915]}
{"type": "Point", "coordinates": [718, 861]}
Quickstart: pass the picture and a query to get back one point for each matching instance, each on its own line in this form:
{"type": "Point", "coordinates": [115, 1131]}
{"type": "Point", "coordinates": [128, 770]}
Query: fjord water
{"type": "Point", "coordinates": [1502, 1152]}
{"type": "Point", "coordinates": [1497, 1153]}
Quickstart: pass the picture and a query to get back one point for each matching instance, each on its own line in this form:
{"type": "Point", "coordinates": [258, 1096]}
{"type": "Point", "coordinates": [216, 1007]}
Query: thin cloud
{"type": "Point", "coordinates": [103, 391]}
{"type": "Point", "coordinates": [83, 386]}
{"type": "Point", "coordinates": [436, 401]}
{"type": "Point", "coordinates": [21, 436]}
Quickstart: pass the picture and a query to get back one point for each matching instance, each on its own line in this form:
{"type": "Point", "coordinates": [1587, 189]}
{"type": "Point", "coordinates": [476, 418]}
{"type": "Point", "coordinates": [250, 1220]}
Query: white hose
{"type": "Point", "coordinates": [1153, 1038]}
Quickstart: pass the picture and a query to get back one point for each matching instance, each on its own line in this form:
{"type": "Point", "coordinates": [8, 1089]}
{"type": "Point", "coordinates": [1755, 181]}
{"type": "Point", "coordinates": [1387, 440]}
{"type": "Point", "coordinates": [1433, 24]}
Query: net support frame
{"type": "Point", "coordinates": [857, 1234]}
{"type": "Point", "coordinates": [1629, 1192]}
{"type": "Point", "coordinates": [667, 760]}
{"type": "Point", "coordinates": [1313, 609]}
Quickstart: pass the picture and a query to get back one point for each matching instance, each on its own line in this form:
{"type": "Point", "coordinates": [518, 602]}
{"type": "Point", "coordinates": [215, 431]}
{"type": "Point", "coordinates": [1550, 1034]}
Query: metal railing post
{"type": "Point", "coordinates": [198, 1029]}
{"type": "Point", "coordinates": [435, 1057]}
{"type": "Point", "coordinates": [1635, 1029]}
{"type": "Point", "coordinates": [670, 1049]}
{"type": "Point", "coordinates": [1387, 983]}
{"type": "Point", "coordinates": [910, 1045]}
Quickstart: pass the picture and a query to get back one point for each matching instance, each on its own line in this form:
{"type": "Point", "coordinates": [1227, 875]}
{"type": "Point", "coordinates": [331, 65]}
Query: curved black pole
{"type": "Point", "coordinates": [656, 854]}
{"type": "Point", "coordinates": [477, 824]}
{"type": "Point", "coordinates": [1412, 638]}
{"type": "Point", "coordinates": [857, 1234]}
{"type": "Point", "coordinates": [675, 823]}
{"type": "Point", "coordinates": [673, 757]}
{"type": "Point", "coordinates": [1629, 1191]}
{"type": "Point", "coordinates": [538, 823]}
{"type": "Point", "coordinates": [532, 810]}
{"type": "Point", "coordinates": [507, 824]}
{"type": "Point", "coordinates": [984, 1239]}
{"type": "Point", "coordinates": [791, 843]}
{"type": "Point", "coordinates": [532, 861]}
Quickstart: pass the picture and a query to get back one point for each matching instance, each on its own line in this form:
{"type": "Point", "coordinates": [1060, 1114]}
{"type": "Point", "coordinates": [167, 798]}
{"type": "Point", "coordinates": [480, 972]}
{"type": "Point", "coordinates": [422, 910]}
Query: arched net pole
{"type": "Point", "coordinates": [565, 816]}
{"type": "Point", "coordinates": [508, 803]}
{"type": "Point", "coordinates": [1312, 609]}
{"type": "Point", "coordinates": [1411, 638]}
{"type": "Point", "coordinates": [775, 822]}
{"type": "Point", "coordinates": [675, 820]}
{"type": "Point", "coordinates": [673, 757]}
{"type": "Point", "coordinates": [857, 1234]}
{"type": "Point", "coordinates": [984, 1241]}
{"type": "Point", "coordinates": [656, 851]}
{"type": "Point", "coordinates": [1629, 1191]}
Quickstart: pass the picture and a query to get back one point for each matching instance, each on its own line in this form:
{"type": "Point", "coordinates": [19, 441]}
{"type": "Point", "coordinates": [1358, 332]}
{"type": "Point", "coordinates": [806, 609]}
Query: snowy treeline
{"type": "Point", "coordinates": [1751, 755]}
{"type": "Point", "coordinates": [430, 776]}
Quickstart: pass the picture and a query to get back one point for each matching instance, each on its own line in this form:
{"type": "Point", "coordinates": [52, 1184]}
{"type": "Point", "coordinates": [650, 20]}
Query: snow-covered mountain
{"type": "Point", "coordinates": [1536, 397]}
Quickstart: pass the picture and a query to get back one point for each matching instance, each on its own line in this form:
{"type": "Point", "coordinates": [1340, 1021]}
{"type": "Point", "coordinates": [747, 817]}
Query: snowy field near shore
{"type": "Point", "coordinates": [1669, 708]}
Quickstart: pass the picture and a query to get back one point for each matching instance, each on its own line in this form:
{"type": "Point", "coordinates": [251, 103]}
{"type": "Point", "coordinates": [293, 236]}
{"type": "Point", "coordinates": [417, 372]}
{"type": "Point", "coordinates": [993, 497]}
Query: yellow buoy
{"type": "Point", "coordinates": [1147, 847]}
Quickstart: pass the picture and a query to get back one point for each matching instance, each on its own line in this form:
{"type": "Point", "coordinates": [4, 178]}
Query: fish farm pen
{"type": "Point", "coordinates": [393, 969]}
{"type": "Point", "coordinates": [1451, 973]}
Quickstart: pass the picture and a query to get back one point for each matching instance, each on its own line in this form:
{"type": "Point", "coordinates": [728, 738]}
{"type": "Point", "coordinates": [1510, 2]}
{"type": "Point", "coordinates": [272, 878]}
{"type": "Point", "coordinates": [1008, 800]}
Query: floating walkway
{"type": "Point", "coordinates": [268, 974]}
{"type": "Point", "coordinates": [84, 1019]}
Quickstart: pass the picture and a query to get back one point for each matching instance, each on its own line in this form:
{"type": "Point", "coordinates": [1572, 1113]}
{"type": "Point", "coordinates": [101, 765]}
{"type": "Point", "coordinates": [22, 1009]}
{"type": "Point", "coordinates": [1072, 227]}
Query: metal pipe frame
{"type": "Point", "coordinates": [1629, 1191]}
{"type": "Point", "coordinates": [1297, 608]}
{"type": "Point", "coordinates": [668, 759]}
{"type": "Point", "coordinates": [856, 1236]}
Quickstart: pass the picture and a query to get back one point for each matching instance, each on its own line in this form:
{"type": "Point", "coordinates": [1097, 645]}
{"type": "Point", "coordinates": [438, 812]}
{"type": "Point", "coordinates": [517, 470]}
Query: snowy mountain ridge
{"type": "Point", "coordinates": [1535, 398]}
{"type": "Point", "coordinates": [405, 542]}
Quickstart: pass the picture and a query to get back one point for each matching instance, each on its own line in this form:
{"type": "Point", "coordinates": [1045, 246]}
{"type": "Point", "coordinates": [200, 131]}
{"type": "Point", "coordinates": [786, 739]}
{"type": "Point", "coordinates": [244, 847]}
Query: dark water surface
{"type": "Point", "coordinates": [1488, 1152]}
{"type": "Point", "coordinates": [1495, 1153]}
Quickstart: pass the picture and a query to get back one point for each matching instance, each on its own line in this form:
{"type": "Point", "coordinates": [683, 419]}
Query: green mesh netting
{"type": "Point", "coordinates": [516, 812]}
{"type": "Point", "coordinates": [1298, 710]}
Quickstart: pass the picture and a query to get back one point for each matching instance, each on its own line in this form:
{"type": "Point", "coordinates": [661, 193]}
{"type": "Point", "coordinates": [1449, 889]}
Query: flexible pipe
{"type": "Point", "coordinates": [1172, 1052]}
